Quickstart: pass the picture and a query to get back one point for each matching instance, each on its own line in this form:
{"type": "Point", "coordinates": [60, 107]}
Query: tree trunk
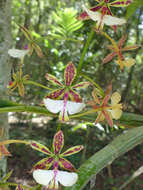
{"type": "Point", "coordinates": [5, 69]}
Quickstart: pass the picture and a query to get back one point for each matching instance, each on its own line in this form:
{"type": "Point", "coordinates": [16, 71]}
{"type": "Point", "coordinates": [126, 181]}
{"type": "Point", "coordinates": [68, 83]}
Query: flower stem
{"type": "Point", "coordinates": [36, 84]}
{"type": "Point", "coordinates": [94, 83]}
{"type": "Point", "coordinates": [90, 35]}
{"type": "Point", "coordinates": [86, 113]}
{"type": "Point", "coordinates": [14, 141]}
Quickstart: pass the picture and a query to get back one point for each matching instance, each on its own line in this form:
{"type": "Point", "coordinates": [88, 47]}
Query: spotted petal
{"type": "Point", "coordinates": [95, 94]}
{"type": "Point", "coordinates": [105, 100]}
{"type": "Point", "coordinates": [72, 150]}
{"type": "Point", "coordinates": [26, 33]}
{"type": "Point", "coordinates": [40, 147]}
{"type": "Point", "coordinates": [4, 151]}
{"type": "Point", "coordinates": [81, 85]}
{"type": "Point", "coordinates": [128, 48]}
{"type": "Point", "coordinates": [74, 96]}
{"type": "Point", "coordinates": [65, 164]}
{"type": "Point", "coordinates": [58, 142]}
{"type": "Point", "coordinates": [111, 47]}
{"type": "Point", "coordinates": [109, 57]}
{"type": "Point", "coordinates": [38, 50]}
{"type": "Point", "coordinates": [120, 3]}
{"type": "Point", "coordinates": [45, 163]}
{"type": "Point", "coordinates": [84, 15]}
{"type": "Point", "coordinates": [53, 79]}
{"type": "Point", "coordinates": [100, 117]}
{"type": "Point", "coordinates": [69, 74]}
{"type": "Point", "coordinates": [93, 15]}
{"type": "Point", "coordinates": [108, 117]}
{"type": "Point", "coordinates": [19, 187]}
{"type": "Point", "coordinates": [122, 41]}
{"type": "Point", "coordinates": [56, 94]}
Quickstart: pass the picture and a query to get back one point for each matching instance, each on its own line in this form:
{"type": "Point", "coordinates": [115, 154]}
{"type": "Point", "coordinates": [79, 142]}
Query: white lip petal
{"type": "Point", "coordinates": [66, 178]}
{"type": "Point", "coordinates": [107, 19]}
{"type": "Point", "coordinates": [43, 177]}
{"type": "Point", "coordinates": [56, 106]}
{"type": "Point", "coordinates": [74, 107]}
{"type": "Point", "coordinates": [93, 15]}
{"type": "Point", "coordinates": [53, 106]}
{"type": "Point", "coordinates": [110, 20]}
{"type": "Point", "coordinates": [17, 53]}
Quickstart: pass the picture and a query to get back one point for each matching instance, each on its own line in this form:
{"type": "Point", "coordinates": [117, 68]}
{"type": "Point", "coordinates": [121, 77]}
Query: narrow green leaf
{"type": "Point", "coordinates": [7, 176]}
{"type": "Point", "coordinates": [122, 144]}
{"type": "Point", "coordinates": [127, 119]}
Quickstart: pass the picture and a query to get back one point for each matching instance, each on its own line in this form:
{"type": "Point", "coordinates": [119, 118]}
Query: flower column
{"type": "Point", "coordinates": [5, 68]}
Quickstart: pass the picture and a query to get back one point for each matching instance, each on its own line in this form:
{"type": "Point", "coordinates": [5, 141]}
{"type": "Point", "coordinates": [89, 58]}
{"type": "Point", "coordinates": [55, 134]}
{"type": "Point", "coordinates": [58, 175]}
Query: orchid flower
{"type": "Point", "coordinates": [117, 50]}
{"type": "Point", "coordinates": [18, 82]}
{"type": "Point", "coordinates": [107, 110]}
{"type": "Point", "coordinates": [32, 45]}
{"type": "Point", "coordinates": [55, 158]}
{"type": "Point", "coordinates": [102, 13]}
{"type": "Point", "coordinates": [65, 92]}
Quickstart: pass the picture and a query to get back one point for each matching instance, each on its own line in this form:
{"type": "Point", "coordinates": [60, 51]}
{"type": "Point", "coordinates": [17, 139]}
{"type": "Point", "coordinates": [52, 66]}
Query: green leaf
{"type": "Point", "coordinates": [65, 23]}
{"type": "Point", "coordinates": [131, 9]}
{"type": "Point", "coordinates": [120, 145]}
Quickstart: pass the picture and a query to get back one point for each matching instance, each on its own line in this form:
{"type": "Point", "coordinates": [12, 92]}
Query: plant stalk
{"type": "Point", "coordinates": [89, 38]}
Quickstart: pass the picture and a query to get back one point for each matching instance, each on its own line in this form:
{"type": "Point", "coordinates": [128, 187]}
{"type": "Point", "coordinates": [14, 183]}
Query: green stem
{"type": "Point", "coordinates": [94, 83]}
{"type": "Point", "coordinates": [36, 84]}
{"type": "Point", "coordinates": [127, 119]}
{"type": "Point", "coordinates": [86, 113]}
{"type": "Point", "coordinates": [59, 127]}
{"type": "Point", "coordinates": [31, 109]}
{"type": "Point", "coordinates": [90, 35]}
{"type": "Point", "coordinates": [13, 141]}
